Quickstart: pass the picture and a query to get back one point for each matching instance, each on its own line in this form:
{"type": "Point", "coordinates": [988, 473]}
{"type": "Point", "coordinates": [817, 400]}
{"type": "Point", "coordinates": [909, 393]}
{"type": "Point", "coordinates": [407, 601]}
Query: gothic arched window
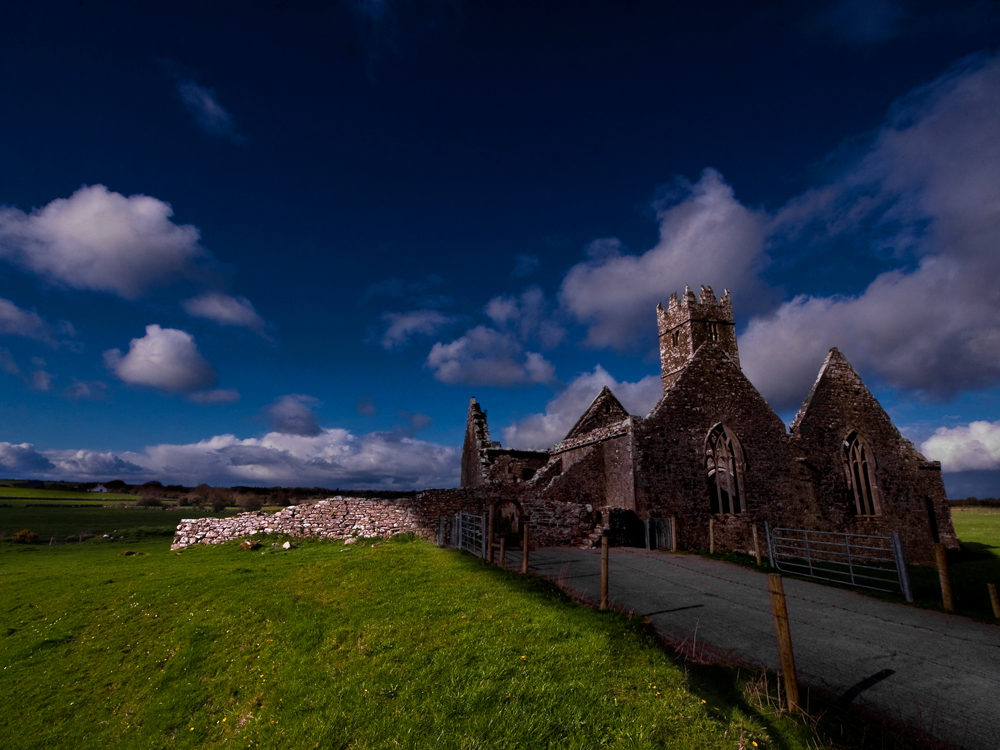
{"type": "Point", "coordinates": [859, 465]}
{"type": "Point", "coordinates": [724, 463]}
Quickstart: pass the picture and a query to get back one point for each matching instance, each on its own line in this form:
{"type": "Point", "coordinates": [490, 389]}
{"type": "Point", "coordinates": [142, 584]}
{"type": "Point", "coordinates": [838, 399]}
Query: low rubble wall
{"type": "Point", "coordinates": [333, 518]}
{"type": "Point", "coordinates": [553, 522]}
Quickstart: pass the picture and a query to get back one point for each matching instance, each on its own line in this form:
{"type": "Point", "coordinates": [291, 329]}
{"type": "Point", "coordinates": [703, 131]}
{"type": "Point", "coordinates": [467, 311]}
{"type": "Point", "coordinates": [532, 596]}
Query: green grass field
{"type": "Point", "coordinates": [129, 523]}
{"type": "Point", "coordinates": [29, 494]}
{"type": "Point", "coordinates": [401, 644]}
{"type": "Point", "coordinates": [332, 646]}
{"type": "Point", "coordinates": [978, 528]}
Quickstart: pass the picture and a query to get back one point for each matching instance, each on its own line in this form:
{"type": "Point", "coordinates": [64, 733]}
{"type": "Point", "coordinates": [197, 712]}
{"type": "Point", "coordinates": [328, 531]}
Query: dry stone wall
{"type": "Point", "coordinates": [553, 521]}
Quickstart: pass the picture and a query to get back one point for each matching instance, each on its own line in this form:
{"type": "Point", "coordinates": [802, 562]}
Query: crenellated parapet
{"type": "Point", "coordinates": [689, 321]}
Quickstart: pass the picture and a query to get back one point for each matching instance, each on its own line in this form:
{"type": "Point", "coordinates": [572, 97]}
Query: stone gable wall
{"type": "Point", "coordinates": [840, 403]}
{"type": "Point", "coordinates": [671, 478]}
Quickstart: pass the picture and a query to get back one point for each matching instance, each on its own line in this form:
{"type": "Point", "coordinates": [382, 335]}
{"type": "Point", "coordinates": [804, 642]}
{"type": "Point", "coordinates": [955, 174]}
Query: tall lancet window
{"type": "Point", "coordinates": [859, 465]}
{"type": "Point", "coordinates": [724, 463]}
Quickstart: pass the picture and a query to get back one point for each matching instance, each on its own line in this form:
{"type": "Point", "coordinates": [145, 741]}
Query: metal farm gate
{"type": "Point", "coordinates": [468, 532]}
{"type": "Point", "coordinates": [660, 534]}
{"type": "Point", "coordinates": [871, 562]}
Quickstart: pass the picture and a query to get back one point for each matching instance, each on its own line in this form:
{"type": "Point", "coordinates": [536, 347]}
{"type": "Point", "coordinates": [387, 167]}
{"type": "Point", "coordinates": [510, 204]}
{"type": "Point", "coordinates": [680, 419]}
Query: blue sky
{"type": "Point", "coordinates": [285, 243]}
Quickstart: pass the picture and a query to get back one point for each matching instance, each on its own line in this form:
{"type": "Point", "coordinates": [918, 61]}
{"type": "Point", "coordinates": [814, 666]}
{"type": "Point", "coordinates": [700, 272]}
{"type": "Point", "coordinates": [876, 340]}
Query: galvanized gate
{"type": "Point", "coordinates": [468, 532]}
{"type": "Point", "coordinates": [660, 534]}
{"type": "Point", "coordinates": [871, 562]}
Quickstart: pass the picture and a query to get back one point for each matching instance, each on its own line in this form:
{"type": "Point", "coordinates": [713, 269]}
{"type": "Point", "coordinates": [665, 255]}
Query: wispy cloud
{"type": "Point", "coordinates": [86, 390]}
{"type": "Point", "coordinates": [402, 328]}
{"type": "Point", "coordinates": [865, 21]}
{"type": "Point", "coordinates": [203, 104]}
{"type": "Point", "coordinates": [17, 322]}
{"type": "Point", "coordinates": [293, 415]}
{"type": "Point", "coordinates": [227, 311]}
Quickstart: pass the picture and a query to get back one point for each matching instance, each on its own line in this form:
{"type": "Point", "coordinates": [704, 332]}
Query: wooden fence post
{"type": "Point", "coordinates": [711, 536]}
{"type": "Point", "coordinates": [524, 544]}
{"type": "Point", "coordinates": [503, 551]}
{"type": "Point", "coordinates": [489, 544]}
{"type": "Point", "coordinates": [994, 600]}
{"type": "Point", "coordinates": [942, 563]}
{"type": "Point", "coordinates": [673, 533]}
{"type": "Point", "coordinates": [780, 612]}
{"type": "Point", "coordinates": [756, 545]}
{"type": "Point", "coordinates": [604, 570]}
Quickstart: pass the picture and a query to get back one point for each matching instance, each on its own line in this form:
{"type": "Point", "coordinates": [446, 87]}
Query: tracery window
{"type": "Point", "coordinates": [859, 465]}
{"type": "Point", "coordinates": [724, 463]}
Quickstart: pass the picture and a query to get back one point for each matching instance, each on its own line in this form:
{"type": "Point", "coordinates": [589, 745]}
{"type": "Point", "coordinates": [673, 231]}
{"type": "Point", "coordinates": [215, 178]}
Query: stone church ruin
{"type": "Point", "coordinates": [711, 452]}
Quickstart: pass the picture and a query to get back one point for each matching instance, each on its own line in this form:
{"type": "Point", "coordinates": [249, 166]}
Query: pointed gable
{"type": "Point", "coordinates": [604, 411]}
{"type": "Point", "coordinates": [838, 386]}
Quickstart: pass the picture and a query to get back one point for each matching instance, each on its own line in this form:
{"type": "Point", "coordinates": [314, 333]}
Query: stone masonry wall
{"type": "Point", "coordinates": [553, 521]}
{"type": "Point", "coordinates": [909, 486]}
{"type": "Point", "coordinates": [671, 478]}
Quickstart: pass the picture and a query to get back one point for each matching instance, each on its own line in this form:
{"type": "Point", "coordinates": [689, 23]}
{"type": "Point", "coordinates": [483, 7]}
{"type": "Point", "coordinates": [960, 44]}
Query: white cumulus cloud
{"type": "Point", "coordinates": [541, 431]}
{"type": "Point", "coordinates": [165, 358]}
{"type": "Point", "coordinates": [485, 356]}
{"type": "Point", "coordinates": [100, 240]}
{"type": "Point", "coordinates": [18, 460]}
{"type": "Point", "coordinates": [708, 238]}
{"type": "Point", "coordinates": [930, 185]}
{"type": "Point", "coordinates": [965, 448]}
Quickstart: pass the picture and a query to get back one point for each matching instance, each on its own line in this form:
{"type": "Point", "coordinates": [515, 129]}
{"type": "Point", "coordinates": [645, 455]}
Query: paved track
{"type": "Point", "coordinates": [936, 672]}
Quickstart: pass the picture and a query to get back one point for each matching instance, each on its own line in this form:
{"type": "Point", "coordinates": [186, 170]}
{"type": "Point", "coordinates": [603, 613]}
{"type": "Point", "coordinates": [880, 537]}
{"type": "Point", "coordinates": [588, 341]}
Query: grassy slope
{"type": "Point", "coordinates": [403, 645]}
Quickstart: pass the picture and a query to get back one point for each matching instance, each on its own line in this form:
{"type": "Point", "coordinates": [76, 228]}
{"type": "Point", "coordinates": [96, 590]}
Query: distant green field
{"type": "Point", "coordinates": [971, 568]}
{"type": "Point", "coordinates": [400, 644]}
{"type": "Point", "coordinates": [978, 528]}
{"type": "Point", "coordinates": [64, 522]}
{"type": "Point", "coordinates": [25, 492]}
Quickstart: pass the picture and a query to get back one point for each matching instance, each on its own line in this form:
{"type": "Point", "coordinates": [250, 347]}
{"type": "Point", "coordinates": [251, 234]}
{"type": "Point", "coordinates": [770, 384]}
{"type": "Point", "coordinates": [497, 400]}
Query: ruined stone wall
{"type": "Point", "coordinates": [671, 477]}
{"type": "Point", "coordinates": [477, 440]}
{"type": "Point", "coordinates": [838, 404]}
{"type": "Point", "coordinates": [553, 521]}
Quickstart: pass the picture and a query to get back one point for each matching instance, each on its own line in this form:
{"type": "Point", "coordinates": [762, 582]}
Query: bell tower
{"type": "Point", "coordinates": [689, 322]}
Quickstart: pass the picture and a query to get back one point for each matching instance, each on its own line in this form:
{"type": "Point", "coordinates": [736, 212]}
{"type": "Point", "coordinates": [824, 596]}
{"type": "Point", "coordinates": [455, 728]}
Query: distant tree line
{"type": "Point", "coordinates": [986, 502]}
{"type": "Point", "coordinates": [155, 494]}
